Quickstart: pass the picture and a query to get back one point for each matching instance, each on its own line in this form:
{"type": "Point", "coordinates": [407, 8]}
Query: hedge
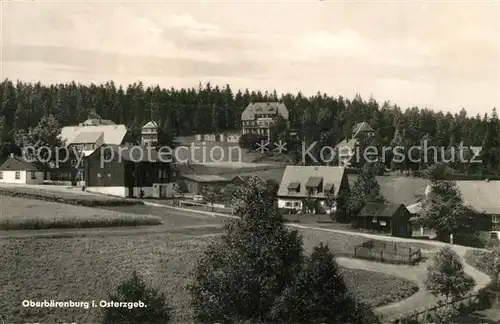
{"type": "Point", "coordinates": [66, 198]}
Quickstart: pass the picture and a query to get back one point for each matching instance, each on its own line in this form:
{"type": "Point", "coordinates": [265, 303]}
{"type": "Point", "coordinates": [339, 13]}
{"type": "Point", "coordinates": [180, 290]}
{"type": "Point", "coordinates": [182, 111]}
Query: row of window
{"type": "Point", "coordinates": [18, 175]}
{"type": "Point", "coordinates": [289, 204]}
{"type": "Point", "coordinates": [310, 191]}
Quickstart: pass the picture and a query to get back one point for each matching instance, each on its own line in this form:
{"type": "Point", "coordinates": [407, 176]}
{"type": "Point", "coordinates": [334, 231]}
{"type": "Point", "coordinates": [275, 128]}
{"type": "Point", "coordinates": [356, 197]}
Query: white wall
{"type": "Point", "coordinates": [10, 177]}
{"type": "Point", "coordinates": [295, 203]}
{"type": "Point", "coordinates": [113, 191]}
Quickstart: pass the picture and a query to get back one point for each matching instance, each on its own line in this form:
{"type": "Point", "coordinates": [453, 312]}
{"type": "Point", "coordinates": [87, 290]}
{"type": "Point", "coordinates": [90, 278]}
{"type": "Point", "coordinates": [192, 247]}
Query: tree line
{"type": "Point", "coordinates": [322, 118]}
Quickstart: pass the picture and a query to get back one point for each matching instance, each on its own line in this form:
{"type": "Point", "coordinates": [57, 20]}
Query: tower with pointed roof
{"type": "Point", "coordinates": [150, 134]}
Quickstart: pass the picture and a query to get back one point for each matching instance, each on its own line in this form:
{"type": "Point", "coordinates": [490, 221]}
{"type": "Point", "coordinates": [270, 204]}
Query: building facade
{"type": "Point", "coordinates": [150, 134]}
{"type": "Point", "coordinates": [259, 117]}
{"type": "Point", "coordinates": [16, 170]}
{"type": "Point", "coordinates": [125, 171]}
{"type": "Point", "coordinates": [316, 182]}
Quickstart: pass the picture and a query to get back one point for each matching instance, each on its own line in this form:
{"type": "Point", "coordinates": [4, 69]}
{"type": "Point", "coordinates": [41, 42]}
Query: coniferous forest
{"type": "Point", "coordinates": [209, 108]}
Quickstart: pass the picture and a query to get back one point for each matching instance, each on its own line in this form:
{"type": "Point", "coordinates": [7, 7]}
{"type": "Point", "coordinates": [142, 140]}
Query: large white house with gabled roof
{"type": "Point", "coordinates": [301, 182]}
{"type": "Point", "coordinates": [259, 117]}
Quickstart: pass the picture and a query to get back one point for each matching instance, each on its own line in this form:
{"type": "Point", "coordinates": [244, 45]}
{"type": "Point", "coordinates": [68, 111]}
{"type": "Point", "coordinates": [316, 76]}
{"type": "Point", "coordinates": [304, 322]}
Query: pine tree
{"type": "Point", "coordinates": [320, 295]}
{"type": "Point", "coordinates": [365, 189]}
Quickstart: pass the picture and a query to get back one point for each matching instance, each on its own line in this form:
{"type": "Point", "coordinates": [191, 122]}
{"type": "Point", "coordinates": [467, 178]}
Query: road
{"type": "Point", "coordinates": [186, 221]}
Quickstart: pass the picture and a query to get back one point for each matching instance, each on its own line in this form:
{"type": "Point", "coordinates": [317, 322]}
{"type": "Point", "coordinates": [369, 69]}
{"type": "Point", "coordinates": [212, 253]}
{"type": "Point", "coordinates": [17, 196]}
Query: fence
{"type": "Point", "coordinates": [428, 314]}
{"type": "Point", "coordinates": [388, 252]}
{"type": "Point", "coordinates": [205, 207]}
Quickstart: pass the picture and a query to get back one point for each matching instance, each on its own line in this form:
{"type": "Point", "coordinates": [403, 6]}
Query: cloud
{"type": "Point", "coordinates": [92, 61]}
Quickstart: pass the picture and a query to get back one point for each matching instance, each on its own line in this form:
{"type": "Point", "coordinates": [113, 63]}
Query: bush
{"type": "Point", "coordinates": [69, 199]}
{"type": "Point", "coordinates": [134, 290]}
{"type": "Point", "coordinates": [39, 223]}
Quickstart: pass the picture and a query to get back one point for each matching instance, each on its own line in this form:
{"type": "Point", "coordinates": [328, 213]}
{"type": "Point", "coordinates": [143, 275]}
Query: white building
{"type": "Point", "coordinates": [19, 171]}
{"type": "Point", "coordinates": [301, 182]}
{"type": "Point", "coordinates": [150, 134]}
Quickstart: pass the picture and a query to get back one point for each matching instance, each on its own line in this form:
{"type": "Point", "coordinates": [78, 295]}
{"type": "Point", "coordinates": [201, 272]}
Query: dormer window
{"type": "Point", "coordinates": [328, 187]}
{"type": "Point", "coordinates": [314, 185]}
{"type": "Point", "coordinates": [294, 188]}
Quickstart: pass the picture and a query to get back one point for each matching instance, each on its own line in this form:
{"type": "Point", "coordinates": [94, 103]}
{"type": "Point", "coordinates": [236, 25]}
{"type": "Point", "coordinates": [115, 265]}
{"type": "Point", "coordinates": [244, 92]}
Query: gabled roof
{"type": "Point", "coordinates": [112, 134]}
{"type": "Point", "coordinates": [97, 122]}
{"type": "Point", "coordinates": [302, 174]}
{"type": "Point", "coordinates": [88, 137]}
{"type": "Point", "coordinates": [151, 124]}
{"type": "Point", "coordinates": [18, 163]}
{"type": "Point", "coordinates": [482, 195]}
{"type": "Point", "coordinates": [361, 127]}
{"type": "Point", "coordinates": [379, 210]}
{"type": "Point", "coordinates": [270, 108]}
{"type": "Point", "coordinates": [205, 178]}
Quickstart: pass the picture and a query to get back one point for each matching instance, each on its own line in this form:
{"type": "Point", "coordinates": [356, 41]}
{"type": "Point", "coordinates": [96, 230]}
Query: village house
{"type": "Point", "coordinates": [346, 150]}
{"type": "Point", "coordinates": [85, 139]}
{"type": "Point", "coordinates": [483, 196]}
{"type": "Point", "coordinates": [259, 117]}
{"type": "Point", "coordinates": [301, 182]}
{"type": "Point", "coordinates": [385, 217]}
{"type": "Point", "coordinates": [127, 171]}
{"type": "Point", "coordinates": [150, 134]}
{"type": "Point", "coordinates": [17, 170]}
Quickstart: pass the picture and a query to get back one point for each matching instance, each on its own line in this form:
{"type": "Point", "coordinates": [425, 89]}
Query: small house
{"type": "Point", "coordinates": [316, 182]}
{"type": "Point", "coordinates": [19, 171]}
{"type": "Point", "coordinates": [195, 183]}
{"type": "Point", "coordinates": [385, 217]}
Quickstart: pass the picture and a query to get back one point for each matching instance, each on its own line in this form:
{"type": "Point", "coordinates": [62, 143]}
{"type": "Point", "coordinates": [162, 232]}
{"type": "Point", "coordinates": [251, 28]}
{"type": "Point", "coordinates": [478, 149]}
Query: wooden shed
{"type": "Point", "coordinates": [385, 217]}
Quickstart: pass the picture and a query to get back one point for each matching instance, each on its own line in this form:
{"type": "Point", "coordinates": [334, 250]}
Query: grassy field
{"type": "Point", "coordinates": [63, 195]}
{"type": "Point", "coordinates": [20, 213]}
{"type": "Point", "coordinates": [88, 268]}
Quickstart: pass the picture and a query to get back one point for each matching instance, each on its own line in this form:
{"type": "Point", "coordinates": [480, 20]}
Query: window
{"type": "Point", "coordinates": [18, 175]}
{"type": "Point", "coordinates": [288, 204]}
{"type": "Point", "coordinates": [1, 175]}
{"type": "Point", "coordinates": [160, 174]}
{"type": "Point", "coordinates": [33, 175]}
{"type": "Point", "coordinates": [296, 204]}
{"type": "Point", "coordinates": [495, 219]}
{"type": "Point", "coordinates": [494, 235]}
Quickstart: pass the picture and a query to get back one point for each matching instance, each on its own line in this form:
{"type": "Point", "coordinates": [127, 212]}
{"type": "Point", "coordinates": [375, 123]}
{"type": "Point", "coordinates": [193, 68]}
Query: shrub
{"type": "Point", "coordinates": [39, 223]}
{"type": "Point", "coordinates": [155, 310]}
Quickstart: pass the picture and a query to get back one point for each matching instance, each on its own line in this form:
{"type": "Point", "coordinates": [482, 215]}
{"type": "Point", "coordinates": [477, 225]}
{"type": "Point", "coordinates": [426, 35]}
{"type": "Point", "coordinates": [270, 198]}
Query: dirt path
{"type": "Point", "coordinates": [414, 273]}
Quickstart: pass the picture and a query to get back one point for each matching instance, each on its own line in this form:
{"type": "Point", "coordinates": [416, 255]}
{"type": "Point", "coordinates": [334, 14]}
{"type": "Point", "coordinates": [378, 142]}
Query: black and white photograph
{"type": "Point", "coordinates": [249, 162]}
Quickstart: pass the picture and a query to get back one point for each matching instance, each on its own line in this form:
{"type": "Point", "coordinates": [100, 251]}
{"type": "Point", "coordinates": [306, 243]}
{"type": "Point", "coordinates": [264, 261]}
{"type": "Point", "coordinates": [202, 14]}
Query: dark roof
{"type": "Point", "coordinates": [18, 163]}
{"type": "Point", "coordinates": [379, 210]}
{"type": "Point", "coordinates": [313, 182]}
{"type": "Point", "coordinates": [293, 185]}
{"type": "Point", "coordinates": [138, 153]}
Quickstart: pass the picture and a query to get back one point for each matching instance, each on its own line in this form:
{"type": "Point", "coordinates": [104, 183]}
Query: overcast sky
{"type": "Point", "coordinates": [440, 55]}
